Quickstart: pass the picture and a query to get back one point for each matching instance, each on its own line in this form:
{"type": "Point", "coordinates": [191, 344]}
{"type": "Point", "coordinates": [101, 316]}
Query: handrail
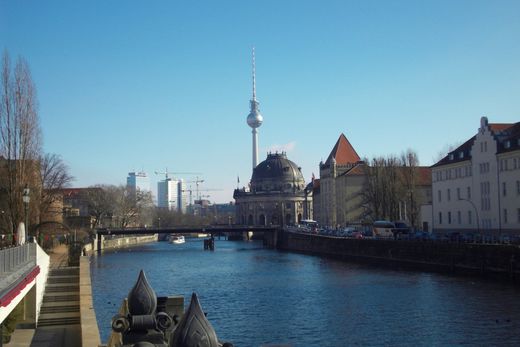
{"type": "Point", "coordinates": [13, 258]}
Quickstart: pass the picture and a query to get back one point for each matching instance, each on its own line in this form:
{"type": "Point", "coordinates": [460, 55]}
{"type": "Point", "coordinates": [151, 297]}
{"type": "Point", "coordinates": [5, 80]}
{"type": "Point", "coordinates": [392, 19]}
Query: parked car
{"type": "Point", "coordinates": [347, 232]}
{"type": "Point", "coordinates": [357, 235]}
{"type": "Point", "coordinates": [505, 239]}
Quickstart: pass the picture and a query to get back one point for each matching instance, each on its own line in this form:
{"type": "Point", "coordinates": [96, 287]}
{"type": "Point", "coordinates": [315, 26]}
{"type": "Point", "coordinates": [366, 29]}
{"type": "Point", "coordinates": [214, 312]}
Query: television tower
{"type": "Point", "coordinates": [254, 119]}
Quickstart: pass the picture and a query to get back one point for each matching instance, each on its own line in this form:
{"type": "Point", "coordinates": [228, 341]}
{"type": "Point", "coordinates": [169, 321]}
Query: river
{"type": "Point", "coordinates": [256, 296]}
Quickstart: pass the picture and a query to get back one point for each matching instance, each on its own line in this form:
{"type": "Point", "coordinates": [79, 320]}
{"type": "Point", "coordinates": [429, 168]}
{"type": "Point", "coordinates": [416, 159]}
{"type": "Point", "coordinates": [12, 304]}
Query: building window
{"type": "Point", "coordinates": [518, 214]}
{"type": "Point", "coordinates": [507, 144]}
{"type": "Point", "coordinates": [439, 195]}
{"type": "Point", "coordinates": [518, 187]}
{"type": "Point", "coordinates": [458, 194]}
{"type": "Point", "coordinates": [504, 190]}
{"type": "Point", "coordinates": [469, 193]}
{"type": "Point", "coordinates": [449, 195]}
{"type": "Point", "coordinates": [459, 217]}
{"type": "Point", "coordinates": [485, 146]}
{"type": "Point", "coordinates": [505, 215]}
{"type": "Point", "coordinates": [469, 218]}
{"type": "Point", "coordinates": [440, 217]}
{"type": "Point", "coordinates": [449, 217]}
{"type": "Point", "coordinates": [461, 155]}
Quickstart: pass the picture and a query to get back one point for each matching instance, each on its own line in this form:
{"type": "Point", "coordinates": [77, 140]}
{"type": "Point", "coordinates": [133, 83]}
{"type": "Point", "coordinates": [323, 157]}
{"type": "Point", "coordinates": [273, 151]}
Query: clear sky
{"type": "Point", "coordinates": [145, 85]}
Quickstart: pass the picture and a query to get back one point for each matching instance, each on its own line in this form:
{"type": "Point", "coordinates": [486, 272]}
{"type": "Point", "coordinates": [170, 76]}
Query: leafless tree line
{"type": "Point", "coordinates": [121, 205]}
{"type": "Point", "coordinates": [22, 163]}
{"type": "Point", "coordinates": [390, 189]}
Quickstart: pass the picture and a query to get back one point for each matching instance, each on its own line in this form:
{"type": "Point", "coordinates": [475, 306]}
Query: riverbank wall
{"type": "Point", "coordinates": [89, 328]}
{"type": "Point", "coordinates": [494, 261]}
{"type": "Point", "coordinates": [102, 242]}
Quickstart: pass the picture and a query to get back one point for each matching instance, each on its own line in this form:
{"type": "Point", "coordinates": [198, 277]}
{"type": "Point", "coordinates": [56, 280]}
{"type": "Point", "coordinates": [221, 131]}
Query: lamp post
{"type": "Point", "coordinates": [476, 216]}
{"type": "Point", "coordinates": [26, 199]}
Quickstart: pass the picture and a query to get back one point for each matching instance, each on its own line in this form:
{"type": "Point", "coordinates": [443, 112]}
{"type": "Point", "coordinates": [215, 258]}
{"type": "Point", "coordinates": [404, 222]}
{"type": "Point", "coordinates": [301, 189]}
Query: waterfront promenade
{"type": "Point", "coordinates": [56, 328]}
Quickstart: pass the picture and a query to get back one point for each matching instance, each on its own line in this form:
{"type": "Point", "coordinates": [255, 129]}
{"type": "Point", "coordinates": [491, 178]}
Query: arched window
{"type": "Point", "coordinates": [262, 219]}
{"type": "Point", "coordinates": [250, 220]}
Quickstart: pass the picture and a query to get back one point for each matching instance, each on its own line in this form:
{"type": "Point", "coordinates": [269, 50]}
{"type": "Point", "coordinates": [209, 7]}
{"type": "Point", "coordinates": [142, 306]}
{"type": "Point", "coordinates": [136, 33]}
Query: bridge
{"type": "Point", "coordinates": [206, 229]}
{"type": "Point", "coordinates": [269, 232]}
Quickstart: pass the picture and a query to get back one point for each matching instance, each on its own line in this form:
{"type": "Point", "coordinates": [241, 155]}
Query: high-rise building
{"type": "Point", "coordinates": [172, 194]}
{"type": "Point", "coordinates": [182, 196]}
{"type": "Point", "coordinates": [138, 181]}
{"type": "Point", "coordinates": [167, 194]}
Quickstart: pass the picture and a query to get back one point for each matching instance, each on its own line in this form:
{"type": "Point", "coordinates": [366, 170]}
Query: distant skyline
{"type": "Point", "coordinates": [129, 86]}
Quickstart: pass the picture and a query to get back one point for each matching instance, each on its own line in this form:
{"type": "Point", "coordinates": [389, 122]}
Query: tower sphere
{"type": "Point", "coordinates": [254, 119]}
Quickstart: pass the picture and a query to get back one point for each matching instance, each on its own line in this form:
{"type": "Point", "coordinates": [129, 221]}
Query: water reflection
{"type": "Point", "coordinates": [255, 295]}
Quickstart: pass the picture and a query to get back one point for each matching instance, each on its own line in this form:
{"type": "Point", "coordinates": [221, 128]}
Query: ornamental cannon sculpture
{"type": "Point", "coordinates": [145, 323]}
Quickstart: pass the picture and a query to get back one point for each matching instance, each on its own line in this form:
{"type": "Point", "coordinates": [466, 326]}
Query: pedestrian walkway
{"type": "Point", "coordinates": [59, 319]}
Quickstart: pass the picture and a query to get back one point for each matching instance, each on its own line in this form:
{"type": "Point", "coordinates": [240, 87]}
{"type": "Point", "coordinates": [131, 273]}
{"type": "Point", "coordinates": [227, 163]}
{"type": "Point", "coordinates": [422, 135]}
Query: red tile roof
{"type": "Point", "coordinates": [343, 152]}
{"type": "Point", "coordinates": [502, 132]}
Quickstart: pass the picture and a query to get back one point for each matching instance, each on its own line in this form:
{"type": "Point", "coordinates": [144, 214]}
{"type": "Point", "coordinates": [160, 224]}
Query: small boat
{"type": "Point", "coordinates": [177, 239]}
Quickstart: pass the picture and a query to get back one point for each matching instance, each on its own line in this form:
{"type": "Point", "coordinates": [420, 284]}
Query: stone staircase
{"type": "Point", "coordinates": [60, 304]}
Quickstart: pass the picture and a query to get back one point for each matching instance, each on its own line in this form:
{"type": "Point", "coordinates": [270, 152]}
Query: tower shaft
{"type": "Point", "coordinates": [255, 147]}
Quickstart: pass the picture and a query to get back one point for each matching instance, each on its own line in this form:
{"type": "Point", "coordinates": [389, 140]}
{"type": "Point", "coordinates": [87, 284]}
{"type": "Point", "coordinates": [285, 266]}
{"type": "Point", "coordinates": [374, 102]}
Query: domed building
{"type": "Point", "coordinates": [276, 195]}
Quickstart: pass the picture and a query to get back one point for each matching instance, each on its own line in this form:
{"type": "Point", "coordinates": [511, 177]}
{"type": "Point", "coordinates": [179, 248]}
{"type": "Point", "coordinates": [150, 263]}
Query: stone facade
{"type": "Point", "coordinates": [341, 180]}
{"type": "Point", "coordinates": [476, 187]}
{"type": "Point", "coordinates": [277, 194]}
{"type": "Point", "coordinates": [337, 195]}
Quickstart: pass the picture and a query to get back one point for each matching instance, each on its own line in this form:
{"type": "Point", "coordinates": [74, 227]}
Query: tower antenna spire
{"type": "Point", "coordinates": [254, 75]}
{"type": "Point", "coordinates": [254, 119]}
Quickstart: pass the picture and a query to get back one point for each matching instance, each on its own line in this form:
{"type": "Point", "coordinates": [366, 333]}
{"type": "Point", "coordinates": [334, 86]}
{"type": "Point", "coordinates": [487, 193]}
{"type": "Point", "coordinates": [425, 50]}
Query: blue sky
{"type": "Point", "coordinates": [145, 85]}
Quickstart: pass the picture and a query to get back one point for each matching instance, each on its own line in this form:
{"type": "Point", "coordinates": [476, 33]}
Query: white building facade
{"type": "Point", "coordinates": [476, 187]}
{"type": "Point", "coordinates": [172, 194]}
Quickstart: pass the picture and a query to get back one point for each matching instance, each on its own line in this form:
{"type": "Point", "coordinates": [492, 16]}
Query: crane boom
{"type": "Point", "coordinates": [166, 173]}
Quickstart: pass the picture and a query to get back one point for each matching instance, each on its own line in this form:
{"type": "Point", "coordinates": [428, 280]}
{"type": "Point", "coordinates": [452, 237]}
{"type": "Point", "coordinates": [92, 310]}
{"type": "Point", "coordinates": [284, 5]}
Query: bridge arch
{"type": "Point", "coordinates": [41, 224]}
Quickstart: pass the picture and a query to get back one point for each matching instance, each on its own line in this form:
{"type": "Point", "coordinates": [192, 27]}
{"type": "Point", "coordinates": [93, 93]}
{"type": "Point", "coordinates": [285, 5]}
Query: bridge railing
{"type": "Point", "coordinates": [15, 257]}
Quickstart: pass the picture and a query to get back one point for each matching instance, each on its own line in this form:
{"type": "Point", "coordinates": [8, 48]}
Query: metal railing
{"type": "Point", "coordinates": [13, 258]}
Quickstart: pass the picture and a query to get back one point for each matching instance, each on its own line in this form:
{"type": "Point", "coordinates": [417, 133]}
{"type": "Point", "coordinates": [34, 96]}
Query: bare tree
{"type": "Point", "coordinates": [54, 176]}
{"type": "Point", "coordinates": [389, 183]}
{"type": "Point", "coordinates": [410, 179]}
{"type": "Point", "coordinates": [100, 203]}
{"type": "Point", "coordinates": [20, 137]}
{"type": "Point", "coordinates": [130, 206]}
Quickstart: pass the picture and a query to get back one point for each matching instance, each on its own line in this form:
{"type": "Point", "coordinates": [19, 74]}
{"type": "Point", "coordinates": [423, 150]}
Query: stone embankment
{"type": "Point", "coordinates": [89, 328]}
{"type": "Point", "coordinates": [498, 261]}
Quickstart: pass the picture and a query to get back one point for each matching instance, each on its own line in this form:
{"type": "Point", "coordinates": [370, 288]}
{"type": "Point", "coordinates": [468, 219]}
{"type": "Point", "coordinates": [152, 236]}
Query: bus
{"type": "Point", "coordinates": [308, 225]}
{"type": "Point", "coordinates": [383, 229]}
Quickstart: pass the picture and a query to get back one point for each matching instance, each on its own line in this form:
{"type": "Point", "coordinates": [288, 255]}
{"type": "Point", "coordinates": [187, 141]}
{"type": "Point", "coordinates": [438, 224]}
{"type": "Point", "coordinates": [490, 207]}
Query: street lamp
{"type": "Point", "coordinates": [26, 198]}
{"type": "Point", "coordinates": [476, 216]}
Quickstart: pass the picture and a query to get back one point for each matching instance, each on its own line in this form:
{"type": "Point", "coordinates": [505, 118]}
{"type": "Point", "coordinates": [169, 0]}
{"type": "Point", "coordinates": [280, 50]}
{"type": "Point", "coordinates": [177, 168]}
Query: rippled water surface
{"type": "Point", "coordinates": [256, 296]}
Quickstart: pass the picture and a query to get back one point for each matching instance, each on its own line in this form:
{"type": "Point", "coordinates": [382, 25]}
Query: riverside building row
{"type": "Point", "coordinates": [474, 188]}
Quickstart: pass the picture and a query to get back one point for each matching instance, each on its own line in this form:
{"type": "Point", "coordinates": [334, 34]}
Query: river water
{"type": "Point", "coordinates": [255, 296]}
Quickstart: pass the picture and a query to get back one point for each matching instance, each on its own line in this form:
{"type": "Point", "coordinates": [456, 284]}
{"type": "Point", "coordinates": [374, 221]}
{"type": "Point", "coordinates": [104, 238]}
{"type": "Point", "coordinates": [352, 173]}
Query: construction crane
{"type": "Point", "coordinates": [197, 196]}
{"type": "Point", "coordinates": [166, 173]}
{"type": "Point", "coordinates": [197, 182]}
